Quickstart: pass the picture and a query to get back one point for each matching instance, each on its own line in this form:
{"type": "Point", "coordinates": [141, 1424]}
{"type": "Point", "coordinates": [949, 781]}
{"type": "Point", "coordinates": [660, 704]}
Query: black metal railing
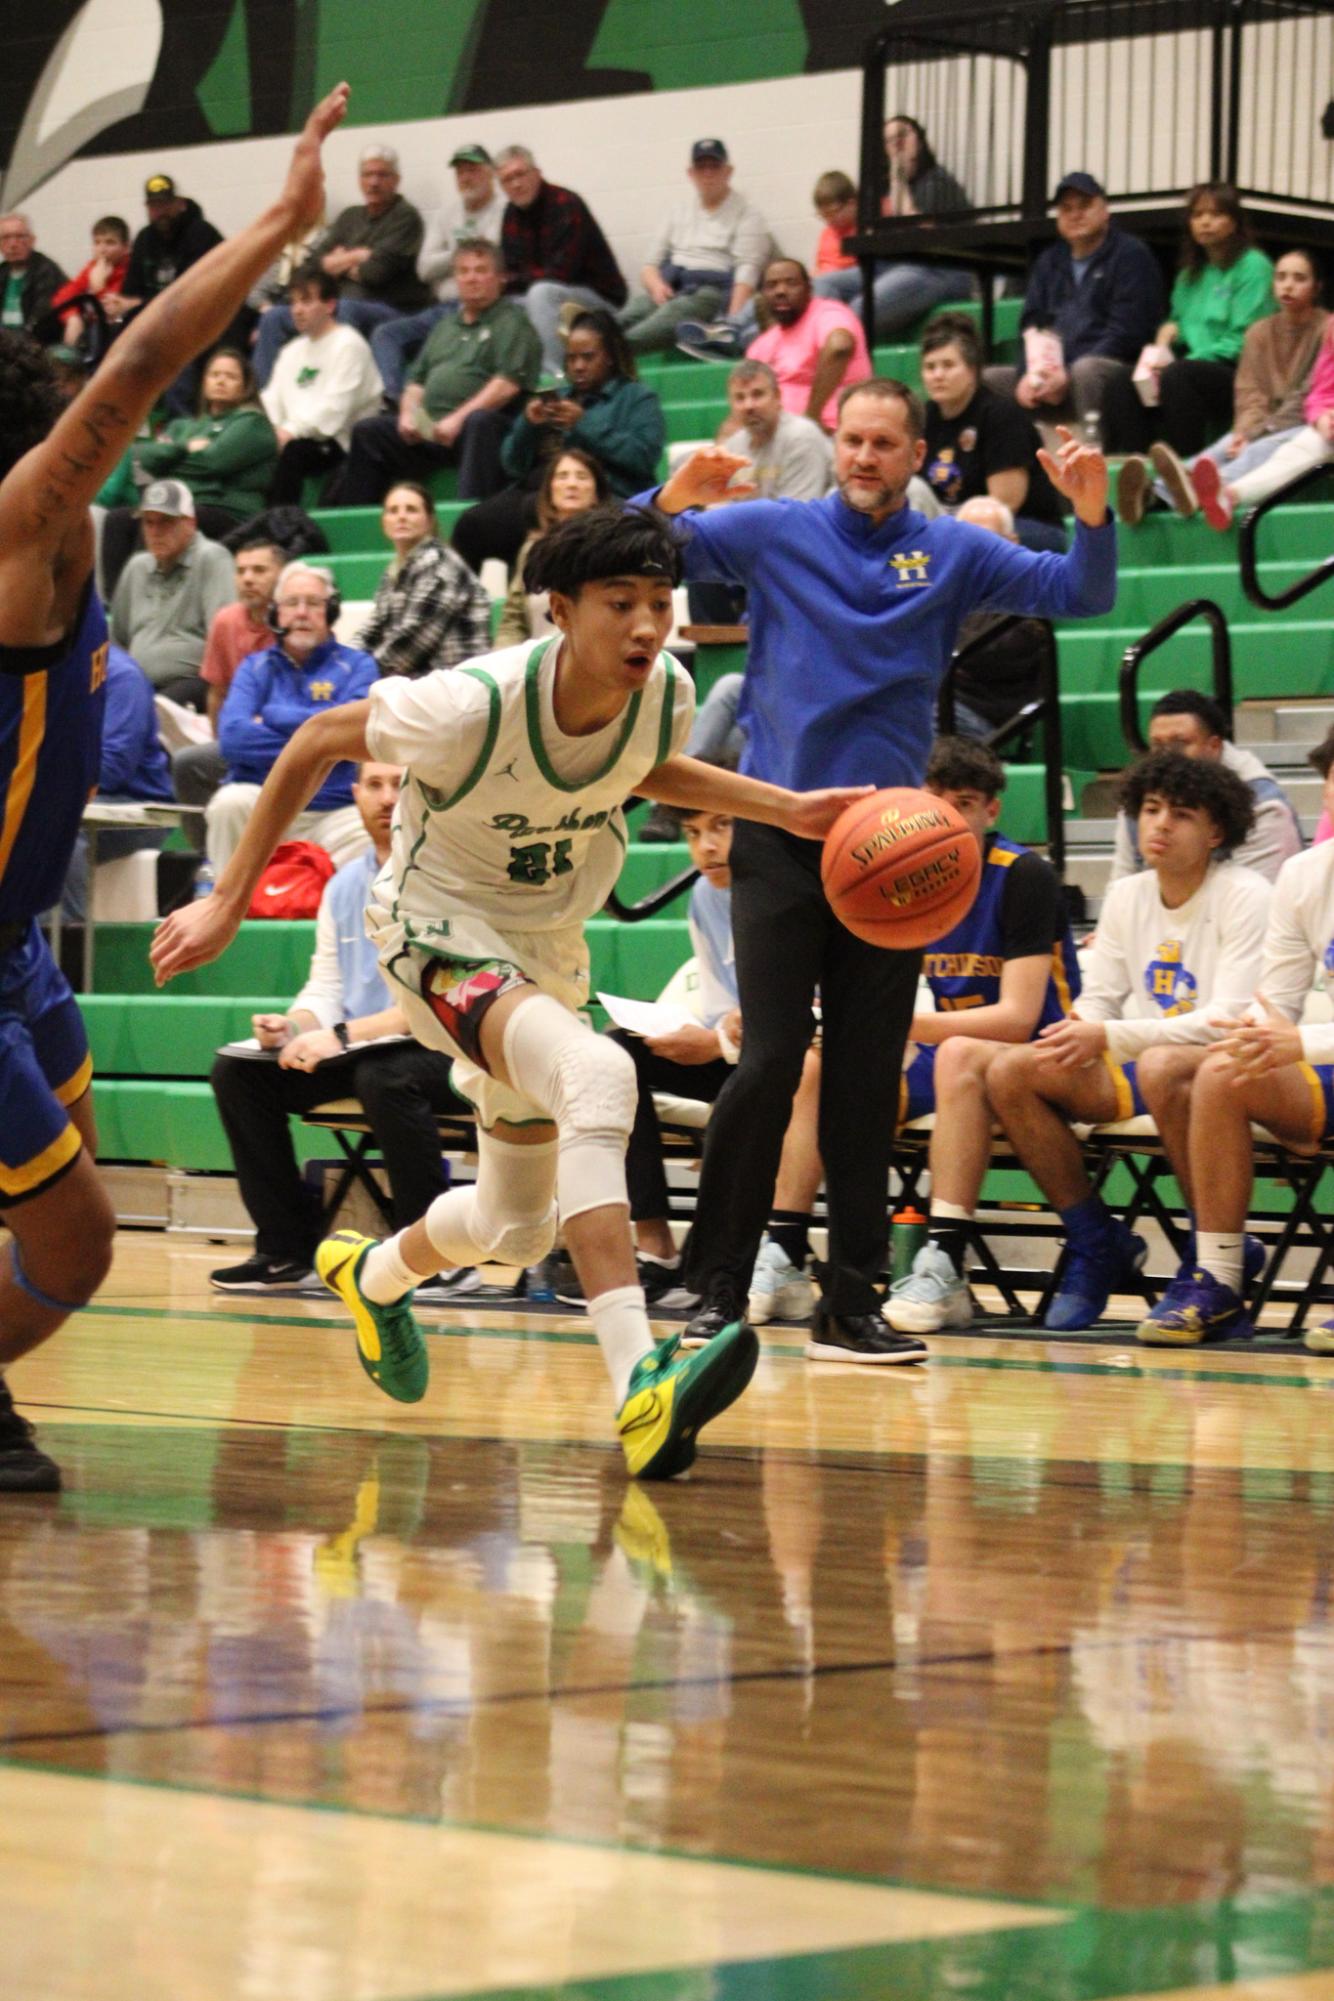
{"type": "Point", "coordinates": [1044, 711]}
{"type": "Point", "coordinates": [656, 900]}
{"type": "Point", "coordinates": [1167, 628]}
{"type": "Point", "coordinates": [1250, 533]}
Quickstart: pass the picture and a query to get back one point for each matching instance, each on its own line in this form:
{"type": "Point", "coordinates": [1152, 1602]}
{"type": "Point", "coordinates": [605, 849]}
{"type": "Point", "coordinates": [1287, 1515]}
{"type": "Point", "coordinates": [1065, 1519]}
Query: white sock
{"type": "Point", "coordinates": [1219, 1253]}
{"type": "Point", "coordinates": [624, 1336]}
{"type": "Point", "coordinates": [949, 1211]}
{"type": "Point", "coordinates": [663, 1264]}
{"type": "Point", "coordinates": [386, 1276]}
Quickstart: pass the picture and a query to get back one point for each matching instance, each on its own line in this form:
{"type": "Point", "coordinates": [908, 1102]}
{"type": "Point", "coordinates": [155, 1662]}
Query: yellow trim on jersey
{"type": "Point", "coordinates": [1313, 1085]}
{"type": "Point", "coordinates": [1125, 1101]}
{"type": "Point", "coordinates": [32, 729]}
{"type": "Point", "coordinates": [1003, 857]}
{"type": "Point", "coordinates": [1059, 978]}
{"type": "Point", "coordinates": [43, 1167]}
{"type": "Point", "coordinates": [69, 1092]}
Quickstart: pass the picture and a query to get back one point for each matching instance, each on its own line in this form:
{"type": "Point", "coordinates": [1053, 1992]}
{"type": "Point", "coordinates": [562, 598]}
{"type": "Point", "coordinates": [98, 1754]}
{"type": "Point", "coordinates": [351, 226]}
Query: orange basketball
{"type": "Point", "coordinates": [900, 868]}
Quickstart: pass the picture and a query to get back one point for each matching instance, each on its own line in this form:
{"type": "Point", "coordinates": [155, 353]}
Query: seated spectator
{"type": "Point", "coordinates": [1192, 723]}
{"type": "Point", "coordinates": [323, 383]}
{"type": "Point", "coordinates": [169, 592]}
{"type": "Point", "coordinates": [302, 672]}
{"type": "Point", "coordinates": [835, 200]}
{"type": "Point", "coordinates": [326, 1047]}
{"type": "Point", "coordinates": [237, 631]}
{"type": "Point", "coordinates": [1093, 300]}
{"type": "Point", "coordinates": [1177, 952]}
{"type": "Point", "coordinates": [1312, 444]}
{"type": "Point", "coordinates": [706, 258]}
{"type": "Point", "coordinates": [904, 289]}
{"type": "Point", "coordinates": [1223, 286]}
{"type": "Point", "coordinates": [430, 611]}
{"type": "Point", "coordinates": [475, 218]}
{"type": "Point", "coordinates": [176, 235]}
{"type": "Point", "coordinates": [133, 770]}
{"type": "Point", "coordinates": [979, 442]}
{"type": "Point", "coordinates": [456, 408]}
{"type": "Point", "coordinates": [1269, 396]}
{"type": "Point", "coordinates": [574, 482]}
{"type": "Point", "coordinates": [29, 279]}
{"type": "Point", "coordinates": [999, 675]}
{"type": "Point", "coordinates": [1001, 975]}
{"type": "Point", "coordinates": [602, 409]}
{"type": "Point", "coordinates": [554, 252]}
{"type": "Point", "coordinates": [104, 272]}
{"type": "Point", "coordinates": [814, 346]}
{"type": "Point", "coordinates": [370, 249]}
{"type": "Point", "coordinates": [1269, 1071]}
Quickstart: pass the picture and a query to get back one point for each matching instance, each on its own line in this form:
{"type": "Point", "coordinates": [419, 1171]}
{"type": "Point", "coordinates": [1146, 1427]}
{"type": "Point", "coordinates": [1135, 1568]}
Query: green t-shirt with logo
{"type": "Point", "coordinates": [461, 356]}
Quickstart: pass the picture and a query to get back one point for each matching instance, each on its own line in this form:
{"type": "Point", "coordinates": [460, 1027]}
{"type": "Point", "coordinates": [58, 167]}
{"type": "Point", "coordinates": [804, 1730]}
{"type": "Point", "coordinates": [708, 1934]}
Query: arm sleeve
{"type": "Point", "coordinates": [435, 260]}
{"type": "Point", "coordinates": [1288, 967]}
{"type": "Point", "coordinates": [1079, 584]}
{"type": "Point", "coordinates": [1252, 299]}
{"type": "Point", "coordinates": [1030, 909]}
{"type": "Point", "coordinates": [129, 706]}
{"type": "Point", "coordinates": [717, 981]}
{"type": "Point", "coordinates": [750, 246]}
{"type": "Point", "coordinates": [341, 396]}
{"type": "Point", "coordinates": [725, 542]}
{"type": "Point", "coordinates": [322, 994]}
{"type": "Point", "coordinates": [1038, 310]}
{"type": "Point", "coordinates": [1250, 403]}
{"type": "Point", "coordinates": [518, 454]}
{"type": "Point", "coordinates": [1234, 982]}
{"type": "Point", "coordinates": [246, 441]}
{"type": "Point", "coordinates": [630, 446]}
{"type": "Point", "coordinates": [241, 739]}
{"type": "Point", "coordinates": [436, 725]}
{"type": "Point", "coordinates": [1134, 305]}
{"type": "Point", "coordinates": [159, 455]}
{"type": "Point", "coordinates": [1106, 968]}
{"type": "Point", "coordinates": [561, 251]}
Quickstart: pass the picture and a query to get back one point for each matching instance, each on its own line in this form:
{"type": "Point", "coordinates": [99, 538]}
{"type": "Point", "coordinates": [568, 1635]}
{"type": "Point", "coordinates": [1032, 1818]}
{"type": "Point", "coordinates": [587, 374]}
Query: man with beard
{"type": "Point", "coordinates": [855, 602]}
{"type": "Point", "coordinates": [814, 346]}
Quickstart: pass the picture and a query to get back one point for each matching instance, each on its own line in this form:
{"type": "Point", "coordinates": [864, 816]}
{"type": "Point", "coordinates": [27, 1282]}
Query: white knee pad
{"type": "Point", "coordinates": [588, 1086]}
{"type": "Point", "coordinates": [508, 1217]}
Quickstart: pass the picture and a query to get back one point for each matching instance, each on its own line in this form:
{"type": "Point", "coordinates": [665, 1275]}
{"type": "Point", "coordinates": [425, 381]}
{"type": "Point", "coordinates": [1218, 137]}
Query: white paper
{"type": "Point", "coordinates": [646, 1017]}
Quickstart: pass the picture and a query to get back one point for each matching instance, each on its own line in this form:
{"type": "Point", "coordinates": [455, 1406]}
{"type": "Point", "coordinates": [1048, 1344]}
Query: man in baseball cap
{"type": "Point", "coordinates": [706, 260]}
{"type": "Point", "coordinates": [169, 593]}
{"type": "Point", "coordinates": [476, 217]}
{"type": "Point", "coordinates": [1094, 298]}
{"type": "Point", "coordinates": [176, 235]}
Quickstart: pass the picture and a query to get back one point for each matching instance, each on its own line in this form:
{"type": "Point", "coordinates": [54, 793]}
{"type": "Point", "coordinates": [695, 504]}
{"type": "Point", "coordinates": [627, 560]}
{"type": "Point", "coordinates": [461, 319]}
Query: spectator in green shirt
{"type": "Point", "coordinates": [460, 395]}
{"type": "Point", "coordinates": [1222, 288]}
{"type": "Point", "coordinates": [227, 455]}
{"type": "Point", "coordinates": [601, 408]}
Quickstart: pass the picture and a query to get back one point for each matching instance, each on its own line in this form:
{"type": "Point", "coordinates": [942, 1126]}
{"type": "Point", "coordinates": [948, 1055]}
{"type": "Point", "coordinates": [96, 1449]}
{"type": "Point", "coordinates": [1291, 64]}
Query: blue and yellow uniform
{"type": "Point", "coordinates": [51, 704]}
{"type": "Point", "coordinates": [1016, 914]}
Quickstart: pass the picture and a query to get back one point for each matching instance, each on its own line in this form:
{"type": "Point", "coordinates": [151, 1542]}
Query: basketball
{"type": "Point", "coordinates": [900, 868]}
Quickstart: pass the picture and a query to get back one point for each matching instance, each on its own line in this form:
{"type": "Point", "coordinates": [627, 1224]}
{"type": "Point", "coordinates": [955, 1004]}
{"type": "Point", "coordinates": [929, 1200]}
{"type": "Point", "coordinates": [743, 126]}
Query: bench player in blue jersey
{"type": "Point", "coordinates": [53, 643]}
{"type": "Point", "coordinates": [1005, 972]}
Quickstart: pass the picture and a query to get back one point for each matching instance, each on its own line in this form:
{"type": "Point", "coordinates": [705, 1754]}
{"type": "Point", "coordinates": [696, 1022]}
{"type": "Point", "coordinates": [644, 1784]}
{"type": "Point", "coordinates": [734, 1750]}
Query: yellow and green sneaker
{"type": "Point", "coordinates": [389, 1341]}
{"type": "Point", "coordinates": [674, 1394]}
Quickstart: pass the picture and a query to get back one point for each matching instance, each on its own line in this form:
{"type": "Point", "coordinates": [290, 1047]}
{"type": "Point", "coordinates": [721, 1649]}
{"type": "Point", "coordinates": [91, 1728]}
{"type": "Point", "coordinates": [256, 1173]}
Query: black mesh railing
{"type": "Point", "coordinates": [1134, 657]}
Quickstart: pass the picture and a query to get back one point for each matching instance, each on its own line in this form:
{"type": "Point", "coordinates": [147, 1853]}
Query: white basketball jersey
{"type": "Point", "coordinates": [502, 817]}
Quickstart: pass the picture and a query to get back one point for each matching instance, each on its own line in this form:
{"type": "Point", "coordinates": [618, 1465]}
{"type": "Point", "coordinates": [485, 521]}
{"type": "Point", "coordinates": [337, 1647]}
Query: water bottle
{"type": "Point", "coordinates": [1093, 429]}
{"type": "Point", "coordinates": [204, 880]}
{"type": "Point", "coordinates": [907, 1234]}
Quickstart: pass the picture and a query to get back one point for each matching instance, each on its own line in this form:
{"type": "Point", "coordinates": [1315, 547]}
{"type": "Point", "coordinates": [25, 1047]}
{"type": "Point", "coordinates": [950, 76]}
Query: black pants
{"type": "Point", "coordinates": [1195, 404]}
{"type": "Point", "coordinates": [299, 460]}
{"type": "Point", "coordinates": [788, 942]}
{"type": "Point", "coordinates": [380, 454]}
{"type": "Point", "coordinates": [645, 1174]}
{"type": "Point", "coordinates": [499, 526]}
{"type": "Point", "coordinates": [401, 1086]}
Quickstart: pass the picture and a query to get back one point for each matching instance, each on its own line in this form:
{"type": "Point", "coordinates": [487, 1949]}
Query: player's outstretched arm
{"type": "Point", "coordinates": [44, 498]}
{"type": "Point", "coordinates": [198, 933]}
{"type": "Point", "coordinates": [702, 788]}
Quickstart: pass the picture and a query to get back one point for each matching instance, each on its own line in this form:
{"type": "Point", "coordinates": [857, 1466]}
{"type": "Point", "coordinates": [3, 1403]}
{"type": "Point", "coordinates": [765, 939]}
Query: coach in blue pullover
{"type": "Point", "coordinates": [855, 602]}
{"type": "Point", "coordinates": [274, 691]}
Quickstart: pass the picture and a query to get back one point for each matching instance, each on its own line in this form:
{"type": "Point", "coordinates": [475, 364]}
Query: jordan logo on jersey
{"type": "Point", "coordinates": [1169, 985]}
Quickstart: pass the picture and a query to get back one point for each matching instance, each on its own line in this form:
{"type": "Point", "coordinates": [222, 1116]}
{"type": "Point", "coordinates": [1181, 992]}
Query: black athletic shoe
{"type": "Point", "coordinates": [716, 1312]}
{"type": "Point", "coordinates": [261, 1274]}
{"type": "Point", "coordinates": [24, 1467]}
{"type": "Point", "coordinates": [860, 1337]}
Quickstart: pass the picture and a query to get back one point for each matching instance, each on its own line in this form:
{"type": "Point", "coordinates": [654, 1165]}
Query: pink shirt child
{"type": "Point", "coordinates": [793, 353]}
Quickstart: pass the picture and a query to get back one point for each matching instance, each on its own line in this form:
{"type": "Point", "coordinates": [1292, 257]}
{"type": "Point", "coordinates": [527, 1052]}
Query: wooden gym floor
{"type": "Point", "coordinates": [1010, 1678]}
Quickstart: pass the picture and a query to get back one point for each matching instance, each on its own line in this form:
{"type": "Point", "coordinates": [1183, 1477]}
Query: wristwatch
{"type": "Point", "coordinates": [344, 1039]}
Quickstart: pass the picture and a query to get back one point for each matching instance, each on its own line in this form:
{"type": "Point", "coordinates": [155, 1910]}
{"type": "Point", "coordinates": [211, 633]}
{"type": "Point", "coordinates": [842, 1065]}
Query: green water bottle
{"type": "Point", "coordinates": [907, 1234]}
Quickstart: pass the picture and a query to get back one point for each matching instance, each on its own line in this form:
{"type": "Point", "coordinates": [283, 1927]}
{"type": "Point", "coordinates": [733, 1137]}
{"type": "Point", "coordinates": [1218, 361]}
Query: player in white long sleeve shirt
{"type": "Point", "coordinates": [1271, 1071]}
{"type": "Point", "coordinates": [1177, 953]}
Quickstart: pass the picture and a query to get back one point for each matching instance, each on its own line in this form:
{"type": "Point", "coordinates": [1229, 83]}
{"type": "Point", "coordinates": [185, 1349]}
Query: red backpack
{"type": "Point", "coordinates": [293, 882]}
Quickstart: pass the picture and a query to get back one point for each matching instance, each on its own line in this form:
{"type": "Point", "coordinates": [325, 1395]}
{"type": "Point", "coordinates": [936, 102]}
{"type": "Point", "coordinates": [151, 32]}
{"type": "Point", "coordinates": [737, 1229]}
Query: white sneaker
{"type": "Point", "coordinates": [778, 1291]}
{"type": "Point", "coordinates": [932, 1296]}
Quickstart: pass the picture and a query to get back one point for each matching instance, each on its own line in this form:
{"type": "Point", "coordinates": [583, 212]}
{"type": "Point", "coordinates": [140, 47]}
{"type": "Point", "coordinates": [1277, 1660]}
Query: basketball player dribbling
{"type": "Point", "coordinates": [53, 641]}
{"type": "Point", "coordinates": [508, 835]}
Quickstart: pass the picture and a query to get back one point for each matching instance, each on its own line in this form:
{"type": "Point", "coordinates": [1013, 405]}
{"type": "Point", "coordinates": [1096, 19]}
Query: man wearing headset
{"type": "Point", "coordinates": [304, 671]}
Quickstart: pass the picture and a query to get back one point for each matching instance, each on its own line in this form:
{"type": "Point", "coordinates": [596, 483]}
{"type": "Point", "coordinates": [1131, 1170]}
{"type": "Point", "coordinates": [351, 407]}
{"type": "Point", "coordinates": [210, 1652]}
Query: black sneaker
{"type": "Point", "coordinates": [261, 1274]}
{"type": "Point", "coordinates": [715, 1314]}
{"type": "Point", "coordinates": [24, 1467]}
{"type": "Point", "coordinates": [662, 1283]}
{"type": "Point", "coordinates": [860, 1337]}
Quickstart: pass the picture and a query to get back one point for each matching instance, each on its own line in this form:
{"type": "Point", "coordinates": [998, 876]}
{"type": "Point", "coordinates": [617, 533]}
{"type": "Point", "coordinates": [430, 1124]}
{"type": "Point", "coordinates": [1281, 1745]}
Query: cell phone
{"type": "Point", "coordinates": [553, 392]}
